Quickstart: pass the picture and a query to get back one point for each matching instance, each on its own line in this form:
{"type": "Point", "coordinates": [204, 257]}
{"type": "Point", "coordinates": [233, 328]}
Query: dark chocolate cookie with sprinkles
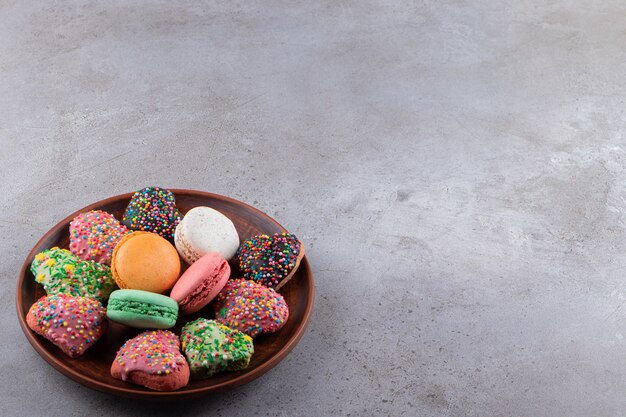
{"type": "Point", "coordinates": [270, 260]}
{"type": "Point", "coordinates": [153, 209]}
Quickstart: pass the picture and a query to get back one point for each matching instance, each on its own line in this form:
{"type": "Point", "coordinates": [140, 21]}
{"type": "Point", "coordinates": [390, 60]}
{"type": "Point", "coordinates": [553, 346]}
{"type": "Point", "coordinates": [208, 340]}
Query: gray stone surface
{"type": "Point", "coordinates": [456, 169]}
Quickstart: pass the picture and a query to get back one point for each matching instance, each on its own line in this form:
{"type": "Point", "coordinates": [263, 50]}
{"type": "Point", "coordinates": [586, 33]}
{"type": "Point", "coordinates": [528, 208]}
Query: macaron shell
{"type": "Point", "coordinates": [144, 297]}
{"type": "Point", "coordinates": [205, 230]}
{"type": "Point", "coordinates": [145, 261]}
{"type": "Point", "coordinates": [201, 282]}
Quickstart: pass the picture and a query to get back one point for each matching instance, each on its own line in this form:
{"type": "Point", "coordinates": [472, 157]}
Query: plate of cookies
{"type": "Point", "coordinates": [163, 294]}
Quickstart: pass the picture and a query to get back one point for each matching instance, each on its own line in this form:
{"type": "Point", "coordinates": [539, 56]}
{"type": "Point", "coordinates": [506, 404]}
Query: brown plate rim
{"type": "Point", "coordinates": [134, 393]}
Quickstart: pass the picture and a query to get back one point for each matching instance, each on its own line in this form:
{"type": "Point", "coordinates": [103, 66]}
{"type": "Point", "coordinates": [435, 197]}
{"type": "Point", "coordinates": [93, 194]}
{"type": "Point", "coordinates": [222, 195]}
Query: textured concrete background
{"type": "Point", "coordinates": [456, 169]}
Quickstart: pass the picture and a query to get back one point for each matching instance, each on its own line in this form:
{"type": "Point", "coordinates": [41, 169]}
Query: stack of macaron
{"type": "Point", "coordinates": [129, 272]}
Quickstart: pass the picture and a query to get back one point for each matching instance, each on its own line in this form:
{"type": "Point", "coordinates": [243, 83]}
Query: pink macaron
{"type": "Point", "coordinates": [201, 282]}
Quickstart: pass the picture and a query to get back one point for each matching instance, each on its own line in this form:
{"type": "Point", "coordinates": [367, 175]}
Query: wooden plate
{"type": "Point", "coordinates": [92, 369]}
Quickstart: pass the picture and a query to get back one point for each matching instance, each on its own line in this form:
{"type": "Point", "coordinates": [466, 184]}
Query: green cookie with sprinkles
{"type": "Point", "coordinates": [153, 209]}
{"type": "Point", "coordinates": [211, 347]}
{"type": "Point", "coordinates": [62, 272]}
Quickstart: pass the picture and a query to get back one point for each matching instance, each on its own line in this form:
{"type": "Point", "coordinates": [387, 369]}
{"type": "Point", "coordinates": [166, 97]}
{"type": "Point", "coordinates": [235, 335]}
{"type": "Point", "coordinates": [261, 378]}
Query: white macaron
{"type": "Point", "coordinates": [205, 230]}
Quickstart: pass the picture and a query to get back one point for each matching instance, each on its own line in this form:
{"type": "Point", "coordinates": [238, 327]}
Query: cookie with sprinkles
{"type": "Point", "coordinates": [270, 260]}
{"type": "Point", "coordinates": [211, 347]}
{"type": "Point", "coordinates": [74, 324]}
{"type": "Point", "coordinates": [62, 272]}
{"type": "Point", "coordinates": [250, 308]}
{"type": "Point", "coordinates": [153, 209]}
{"type": "Point", "coordinates": [152, 359]}
{"type": "Point", "coordinates": [93, 236]}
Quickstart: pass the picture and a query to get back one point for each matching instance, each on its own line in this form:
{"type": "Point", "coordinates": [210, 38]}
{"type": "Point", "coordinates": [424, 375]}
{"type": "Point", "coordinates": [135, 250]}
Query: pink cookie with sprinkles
{"type": "Point", "coordinates": [153, 209]}
{"type": "Point", "coordinates": [270, 260]}
{"type": "Point", "coordinates": [152, 359]}
{"type": "Point", "coordinates": [93, 236]}
{"type": "Point", "coordinates": [72, 323]}
{"type": "Point", "coordinates": [250, 308]}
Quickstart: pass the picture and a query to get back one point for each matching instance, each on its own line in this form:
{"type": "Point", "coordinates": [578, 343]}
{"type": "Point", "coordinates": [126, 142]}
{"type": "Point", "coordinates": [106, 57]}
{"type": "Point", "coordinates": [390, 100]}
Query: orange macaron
{"type": "Point", "coordinates": [145, 261]}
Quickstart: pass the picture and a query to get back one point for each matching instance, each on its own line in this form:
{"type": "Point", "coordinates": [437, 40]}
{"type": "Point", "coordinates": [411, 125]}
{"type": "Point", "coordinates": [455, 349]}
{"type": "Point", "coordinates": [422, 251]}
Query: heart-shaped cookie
{"type": "Point", "coordinates": [60, 271]}
{"type": "Point", "coordinates": [153, 209]}
{"type": "Point", "coordinates": [152, 359]}
{"type": "Point", "coordinates": [74, 324]}
{"type": "Point", "coordinates": [93, 236]}
{"type": "Point", "coordinates": [250, 308]}
{"type": "Point", "coordinates": [270, 260]}
{"type": "Point", "coordinates": [211, 347]}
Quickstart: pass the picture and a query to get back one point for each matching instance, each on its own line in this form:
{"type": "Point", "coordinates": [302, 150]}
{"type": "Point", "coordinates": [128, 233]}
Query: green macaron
{"type": "Point", "coordinates": [142, 309]}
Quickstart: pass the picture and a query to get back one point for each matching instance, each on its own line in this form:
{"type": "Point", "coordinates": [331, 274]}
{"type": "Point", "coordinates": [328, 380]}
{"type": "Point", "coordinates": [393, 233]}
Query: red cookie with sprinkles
{"type": "Point", "coordinates": [72, 323]}
{"type": "Point", "coordinates": [250, 308]}
{"type": "Point", "coordinates": [152, 359]}
{"type": "Point", "coordinates": [270, 260]}
{"type": "Point", "coordinates": [93, 236]}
